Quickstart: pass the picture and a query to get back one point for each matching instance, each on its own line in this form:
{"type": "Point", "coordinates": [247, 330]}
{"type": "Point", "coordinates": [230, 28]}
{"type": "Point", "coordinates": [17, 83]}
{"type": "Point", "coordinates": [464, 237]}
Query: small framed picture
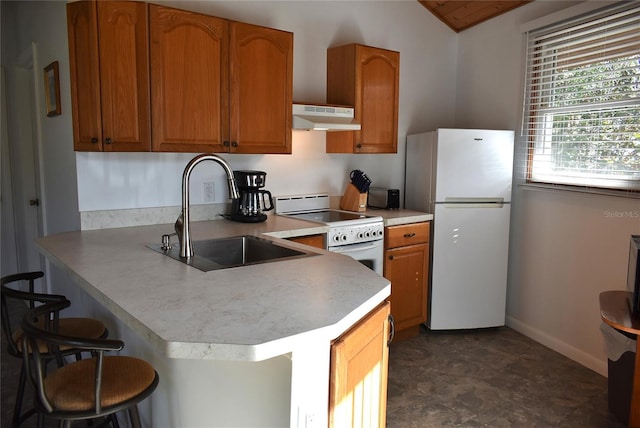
{"type": "Point", "coordinates": [52, 89]}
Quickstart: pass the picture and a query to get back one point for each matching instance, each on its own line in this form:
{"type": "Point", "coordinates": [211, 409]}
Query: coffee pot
{"type": "Point", "coordinates": [254, 200]}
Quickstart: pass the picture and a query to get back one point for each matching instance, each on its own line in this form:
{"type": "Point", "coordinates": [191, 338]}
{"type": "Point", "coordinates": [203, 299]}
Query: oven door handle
{"type": "Point", "coordinates": [355, 247]}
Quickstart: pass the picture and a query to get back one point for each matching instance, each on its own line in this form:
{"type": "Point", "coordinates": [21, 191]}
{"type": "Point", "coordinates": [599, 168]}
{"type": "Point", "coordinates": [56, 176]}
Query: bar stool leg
{"type": "Point", "coordinates": [134, 416]}
{"type": "Point", "coordinates": [114, 420]}
{"type": "Point", "coordinates": [17, 407]}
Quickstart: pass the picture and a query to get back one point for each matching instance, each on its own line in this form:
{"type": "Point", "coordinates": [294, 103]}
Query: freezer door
{"type": "Point", "coordinates": [474, 163]}
{"type": "Point", "coordinates": [469, 270]}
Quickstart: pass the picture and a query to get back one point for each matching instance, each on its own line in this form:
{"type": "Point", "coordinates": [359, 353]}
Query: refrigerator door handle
{"type": "Point", "coordinates": [473, 202]}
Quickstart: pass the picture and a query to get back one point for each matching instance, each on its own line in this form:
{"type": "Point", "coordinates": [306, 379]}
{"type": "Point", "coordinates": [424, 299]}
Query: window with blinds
{"type": "Point", "coordinates": [582, 100]}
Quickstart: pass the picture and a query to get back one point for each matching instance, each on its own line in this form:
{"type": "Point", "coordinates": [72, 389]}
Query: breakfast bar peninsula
{"type": "Point", "coordinates": [249, 346]}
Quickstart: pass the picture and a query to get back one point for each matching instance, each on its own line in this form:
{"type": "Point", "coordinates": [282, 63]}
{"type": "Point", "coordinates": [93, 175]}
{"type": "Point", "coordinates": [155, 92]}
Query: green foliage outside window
{"type": "Point", "coordinates": [605, 139]}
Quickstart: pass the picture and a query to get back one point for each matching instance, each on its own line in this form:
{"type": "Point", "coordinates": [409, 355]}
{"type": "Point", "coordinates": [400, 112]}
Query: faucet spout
{"type": "Point", "coordinates": [182, 225]}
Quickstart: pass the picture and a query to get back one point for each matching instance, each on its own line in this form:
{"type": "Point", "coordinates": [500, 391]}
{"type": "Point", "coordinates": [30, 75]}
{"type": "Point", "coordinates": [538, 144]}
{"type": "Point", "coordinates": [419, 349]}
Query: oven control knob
{"type": "Point", "coordinates": [343, 237]}
{"type": "Point", "coordinates": [336, 238]}
{"type": "Point", "coordinates": [360, 235]}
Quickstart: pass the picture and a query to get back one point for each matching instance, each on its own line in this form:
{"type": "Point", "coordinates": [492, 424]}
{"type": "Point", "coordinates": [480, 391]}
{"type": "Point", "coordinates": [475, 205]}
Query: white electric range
{"type": "Point", "coordinates": [355, 234]}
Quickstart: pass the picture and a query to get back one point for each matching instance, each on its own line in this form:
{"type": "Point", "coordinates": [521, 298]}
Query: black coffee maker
{"type": "Point", "coordinates": [254, 200]}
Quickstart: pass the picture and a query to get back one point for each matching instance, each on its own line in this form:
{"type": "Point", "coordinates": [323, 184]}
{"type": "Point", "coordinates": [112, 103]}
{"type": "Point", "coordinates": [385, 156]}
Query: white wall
{"type": "Point", "coordinates": [427, 81]}
{"type": "Point", "coordinates": [565, 247]}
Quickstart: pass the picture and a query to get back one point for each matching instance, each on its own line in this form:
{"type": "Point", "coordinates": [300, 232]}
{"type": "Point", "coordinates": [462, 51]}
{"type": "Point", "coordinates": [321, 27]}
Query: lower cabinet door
{"type": "Point", "coordinates": [407, 268]}
{"type": "Point", "coordinates": [359, 366]}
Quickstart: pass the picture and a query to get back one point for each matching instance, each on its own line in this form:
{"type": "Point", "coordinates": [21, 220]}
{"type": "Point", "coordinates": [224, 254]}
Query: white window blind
{"type": "Point", "coordinates": [582, 100]}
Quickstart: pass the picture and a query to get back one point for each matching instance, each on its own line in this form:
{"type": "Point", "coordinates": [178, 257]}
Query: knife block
{"type": "Point", "coordinates": [353, 200]}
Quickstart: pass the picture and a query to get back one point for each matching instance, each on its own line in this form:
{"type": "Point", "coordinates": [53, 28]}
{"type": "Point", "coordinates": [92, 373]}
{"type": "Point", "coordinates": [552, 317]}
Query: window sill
{"type": "Point", "coordinates": [547, 187]}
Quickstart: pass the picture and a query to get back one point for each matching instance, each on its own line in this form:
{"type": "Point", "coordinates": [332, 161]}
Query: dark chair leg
{"type": "Point", "coordinates": [114, 420]}
{"type": "Point", "coordinates": [134, 417]}
{"type": "Point", "coordinates": [17, 407]}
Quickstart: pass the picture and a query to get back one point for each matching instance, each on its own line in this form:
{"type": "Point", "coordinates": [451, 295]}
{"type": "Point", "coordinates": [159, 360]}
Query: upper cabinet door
{"type": "Point", "coordinates": [189, 65]}
{"type": "Point", "coordinates": [261, 61]}
{"type": "Point", "coordinates": [368, 79]}
{"type": "Point", "coordinates": [108, 59]}
{"type": "Point", "coordinates": [124, 75]}
{"type": "Point", "coordinates": [84, 68]}
{"type": "Point", "coordinates": [379, 71]}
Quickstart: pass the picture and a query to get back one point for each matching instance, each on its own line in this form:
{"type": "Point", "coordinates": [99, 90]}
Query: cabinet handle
{"type": "Point", "coordinates": [34, 202]}
{"type": "Point", "coordinates": [225, 143]}
{"type": "Point", "coordinates": [108, 141]}
{"type": "Point", "coordinates": [409, 235]}
{"type": "Point", "coordinates": [234, 144]}
{"type": "Point", "coordinates": [94, 140]}
{"type": "Point", "coordinates": [392, 330]}
{"type": "Point", "coordinates": [390, 257]}
{"type": "Point", "coordinates": [358, 146]}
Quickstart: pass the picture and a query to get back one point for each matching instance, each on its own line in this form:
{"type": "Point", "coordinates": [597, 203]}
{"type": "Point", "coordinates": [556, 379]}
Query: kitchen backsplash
{"type": "Point", "coordinates": [107, 219]}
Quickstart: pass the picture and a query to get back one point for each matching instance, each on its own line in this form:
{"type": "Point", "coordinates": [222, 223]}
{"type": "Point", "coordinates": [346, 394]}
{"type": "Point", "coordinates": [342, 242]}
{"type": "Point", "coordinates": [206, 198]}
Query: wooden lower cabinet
{"type": "Point", "coordinates": [406, 265]}
{"type": "Point", "coordinates": [358, 376]}
{"type": "Point", "coordinates": [311, 240]}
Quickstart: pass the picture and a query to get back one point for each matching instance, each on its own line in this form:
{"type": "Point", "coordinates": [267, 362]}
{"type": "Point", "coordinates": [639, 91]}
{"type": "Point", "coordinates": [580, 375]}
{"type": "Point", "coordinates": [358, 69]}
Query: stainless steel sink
{"type": "Point", "coordinates": [224, 253]}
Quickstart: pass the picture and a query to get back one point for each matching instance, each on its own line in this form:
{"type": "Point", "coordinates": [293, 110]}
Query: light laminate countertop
{"type": "Point", "coordinates": [250, 313]}
{"type": "Point", "coordinates": [399, 216]}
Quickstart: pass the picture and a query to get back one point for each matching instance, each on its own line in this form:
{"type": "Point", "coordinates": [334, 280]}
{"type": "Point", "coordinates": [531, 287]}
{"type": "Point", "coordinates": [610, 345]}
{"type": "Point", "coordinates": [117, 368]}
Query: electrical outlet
{"type": "Point", "coordinates": [310, 421]}
{"type": "Point", "coordinates": [209, 192]}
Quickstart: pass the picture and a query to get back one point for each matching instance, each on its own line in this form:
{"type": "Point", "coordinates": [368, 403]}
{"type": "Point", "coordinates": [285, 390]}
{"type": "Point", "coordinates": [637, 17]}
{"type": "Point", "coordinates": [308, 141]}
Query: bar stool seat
{"type": "Point", "coordinates": [78, 327]}
{"type": "Point", "coordinates": [72, 388]}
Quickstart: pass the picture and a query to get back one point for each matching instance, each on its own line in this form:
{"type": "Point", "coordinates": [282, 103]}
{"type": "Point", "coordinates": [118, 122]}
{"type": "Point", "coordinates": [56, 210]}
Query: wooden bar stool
{"type": "Point", "coordinates": [27, 300]}
{"type": "Point", "coordinates": [88, 389]}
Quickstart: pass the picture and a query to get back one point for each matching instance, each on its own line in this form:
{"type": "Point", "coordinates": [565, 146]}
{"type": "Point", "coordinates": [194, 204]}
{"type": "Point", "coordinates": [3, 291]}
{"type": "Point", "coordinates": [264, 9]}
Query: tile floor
{"type": "Point", "coordinates": [491, 378]}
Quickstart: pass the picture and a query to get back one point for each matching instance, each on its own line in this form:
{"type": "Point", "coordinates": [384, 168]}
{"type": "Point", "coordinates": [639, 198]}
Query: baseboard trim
{"type": "Point", "coordinates": [559, 346]}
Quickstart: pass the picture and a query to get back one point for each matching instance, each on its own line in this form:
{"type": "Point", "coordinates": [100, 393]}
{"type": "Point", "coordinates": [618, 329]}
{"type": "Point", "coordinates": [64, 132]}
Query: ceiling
{"type": "Point", "coordinates": [460, 15]}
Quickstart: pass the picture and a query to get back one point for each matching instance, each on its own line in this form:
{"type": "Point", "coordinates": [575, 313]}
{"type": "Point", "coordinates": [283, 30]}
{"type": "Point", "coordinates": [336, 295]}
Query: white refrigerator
{"type": "Point", "coordinates": [463, 177]}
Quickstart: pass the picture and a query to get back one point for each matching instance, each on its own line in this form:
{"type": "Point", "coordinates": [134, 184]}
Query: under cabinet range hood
{"type": "Point", "coordinates": [324, 118]}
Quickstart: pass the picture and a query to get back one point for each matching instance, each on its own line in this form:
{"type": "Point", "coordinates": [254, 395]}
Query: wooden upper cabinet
{"type": "Point", "coordinates": [261, 61]}
{"type": "Point", "coordinates": [189, 65]}
{"type": "Point", "coordinates": [108, 59]}
{"type": "Point", "coordinates": [84, 68]}
{"type": "Point", "coordinates": [368, 79]}
{"type": "Point", "coordinates": [219, 85]}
